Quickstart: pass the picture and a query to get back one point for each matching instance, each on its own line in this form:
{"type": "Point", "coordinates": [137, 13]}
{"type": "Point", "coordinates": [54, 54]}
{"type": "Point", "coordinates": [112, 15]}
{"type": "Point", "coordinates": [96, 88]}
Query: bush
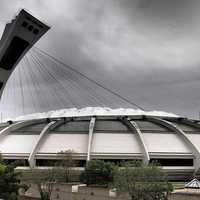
{"type": "Point", "coordinates": [98, 172]}
{"type": "Point", "coordinates": [9, 183]}
{"type": "Point", "coordinates": [145, 182]}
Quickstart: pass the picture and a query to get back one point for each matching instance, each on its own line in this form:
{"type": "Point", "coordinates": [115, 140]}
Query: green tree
{"type": "Point", "coordinates": [142, 182]}
{"type": "Point", "coordinates": [9, 182]}
{"type": "Point", "coordinates": [98, 172]}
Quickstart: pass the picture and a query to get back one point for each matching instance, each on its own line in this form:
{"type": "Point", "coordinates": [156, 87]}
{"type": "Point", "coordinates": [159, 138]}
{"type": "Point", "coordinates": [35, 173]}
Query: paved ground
{"type": "Point", "coordinates": [63, 192]}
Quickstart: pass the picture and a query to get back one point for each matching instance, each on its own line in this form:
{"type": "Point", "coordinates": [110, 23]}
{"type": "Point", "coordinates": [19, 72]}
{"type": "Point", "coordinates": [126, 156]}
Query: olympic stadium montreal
{"type": "Point", "coordinates": [112, 135]}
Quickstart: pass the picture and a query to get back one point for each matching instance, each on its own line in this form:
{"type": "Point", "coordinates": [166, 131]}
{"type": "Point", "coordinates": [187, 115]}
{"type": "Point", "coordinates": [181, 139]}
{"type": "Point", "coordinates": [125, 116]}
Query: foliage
{"type": "Point", "coordinates": [98, 172]}
{"type": "Point", "coordinates": [1, 159]}
{"type": "Point", "coordinates": [9, 183]}
{"type": "Point", "coordinates": [66, 162]}
{"type": "Point", "coordinates": [142, 182]}
{"type": "Point", "coordinates": [45, 183]}
{"type": "Point", "coordinates": [2, 168]}
{"type": "Point", "coordinates": [19, 163]}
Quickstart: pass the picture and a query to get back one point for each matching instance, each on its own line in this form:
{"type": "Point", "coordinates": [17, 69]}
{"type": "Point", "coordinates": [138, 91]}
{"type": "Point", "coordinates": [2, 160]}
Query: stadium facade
{"type": "Point", "coordinates": [172, 141]}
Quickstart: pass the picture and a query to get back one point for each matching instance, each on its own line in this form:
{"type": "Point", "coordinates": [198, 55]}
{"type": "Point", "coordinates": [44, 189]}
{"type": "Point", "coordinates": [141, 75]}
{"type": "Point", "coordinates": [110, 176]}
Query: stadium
{"type": "Point", "coordinates": [114, 136]}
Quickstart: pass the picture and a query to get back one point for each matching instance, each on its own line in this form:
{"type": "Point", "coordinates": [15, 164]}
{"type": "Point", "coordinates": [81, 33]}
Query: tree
{"type": "Point", "coordinates": [98, 172]}
{"type": "Point", "coordinates": [9, 182]}
{"type": "Point", "coordinates": [142, 182]}
{"type": "Point", "coordinates": [45, 182]}
{"type": "Point", "coordinates": [66, 162]}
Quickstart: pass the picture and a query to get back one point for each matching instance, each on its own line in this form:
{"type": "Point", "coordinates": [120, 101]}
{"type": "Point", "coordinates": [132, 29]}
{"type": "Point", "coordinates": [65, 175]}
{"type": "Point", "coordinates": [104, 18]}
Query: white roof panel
{"type": "Point", "coordinates": [115, 143]}
{"type": "Point", "coordinates": [54, 143]}
{"type": "Point", "coordinates": [164, 142]}
{"type": "Point", "coordinates": [195, 139]}
{"type": "Point", "coordinates": [17, 143]}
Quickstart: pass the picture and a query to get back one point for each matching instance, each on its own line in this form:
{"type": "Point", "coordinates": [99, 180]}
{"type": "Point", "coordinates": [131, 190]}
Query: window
{"type": "Point", "coordinates": [35, 31]}
{"type": "Point", "coordinates": [30, 28]}
{"type": "Point", "coordinates": [20, 162]}
{"type": "Point", "coordinates": [1, 85]}
{"type": "Point", "coordinates": [173, 162]}
{"type": "Point", "coordinates": [13, 53]}
{"type": "Point", "coordinates": [24, 24]}
{"type": "Point", "coordinates": [54, 162]}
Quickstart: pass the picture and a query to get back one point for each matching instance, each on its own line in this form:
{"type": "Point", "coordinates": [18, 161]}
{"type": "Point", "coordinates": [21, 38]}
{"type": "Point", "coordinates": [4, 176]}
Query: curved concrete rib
{"type": "Point", "coordinates": [90, 136]}
{"type": "Point", "coordinates": [178, 131]}
{"type": "Point", "coordinates": [134, 127]}
{"type": "Point", "coordinates": [45, 130]}
{"type": "Point", "coordinates": [19, 125]}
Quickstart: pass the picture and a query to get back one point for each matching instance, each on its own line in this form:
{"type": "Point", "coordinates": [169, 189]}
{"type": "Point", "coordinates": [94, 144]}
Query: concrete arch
{"type": "Point", "coordinates": [18, 125]}
{"type": "Point", "coordinates": [134, 127]}
{"type": "Point", "coordinates": [45, 130]}
{"type": "Point", "coordinates": [182, 135]}
{"type": "Point", "coordinates": [90, 136]}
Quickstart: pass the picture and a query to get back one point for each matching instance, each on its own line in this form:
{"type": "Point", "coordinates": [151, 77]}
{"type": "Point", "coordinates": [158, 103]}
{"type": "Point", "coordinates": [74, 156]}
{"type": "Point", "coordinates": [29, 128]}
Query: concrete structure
{"type": "Point", "coordinates": [185, 194]}
{"type": "Point", "coordinates": [173, 141]}
{"type": "Point", "coordinates": [18, 37]}
{"type": "Point", "coordinates": [105, 137]}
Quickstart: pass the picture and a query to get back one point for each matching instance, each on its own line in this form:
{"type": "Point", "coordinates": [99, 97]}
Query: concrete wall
{"type": "Point", "coordinates": [28, 198]}
{"type": "Point", "coordinates": [184, 197]}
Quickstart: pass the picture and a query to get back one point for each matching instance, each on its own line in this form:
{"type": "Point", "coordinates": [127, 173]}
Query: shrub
{"type": "Point", "coordinates": [98, 172]}
{"type": "Point", "coordinates": [9, 183]}
{"type": "Point", "coordinates": [145, 182]}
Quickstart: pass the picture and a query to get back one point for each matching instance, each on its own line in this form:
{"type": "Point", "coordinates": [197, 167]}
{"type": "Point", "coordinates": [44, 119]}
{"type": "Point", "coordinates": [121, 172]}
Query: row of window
{"type": "Point", "coordinates": [30, 27]}
{"type": "Point", "coordinates": [82, 163]}
{"type": "Point", "coordinates": [33, 21]}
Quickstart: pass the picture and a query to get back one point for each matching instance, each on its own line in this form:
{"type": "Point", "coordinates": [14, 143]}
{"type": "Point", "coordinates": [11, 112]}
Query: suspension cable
{"type": "Point", "coordinates": [72, 82]}
{"type": "Point", "coordinates": [86, 77]}
{"type": "Point", "coordinates": [42, 67]}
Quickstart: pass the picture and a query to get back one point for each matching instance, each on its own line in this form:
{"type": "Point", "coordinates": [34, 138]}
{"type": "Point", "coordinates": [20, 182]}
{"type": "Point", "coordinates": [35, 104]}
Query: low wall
{"type": "Point", "coordinates": [184, 196]}
{"type": "Point", "coordinates": [28, 198]}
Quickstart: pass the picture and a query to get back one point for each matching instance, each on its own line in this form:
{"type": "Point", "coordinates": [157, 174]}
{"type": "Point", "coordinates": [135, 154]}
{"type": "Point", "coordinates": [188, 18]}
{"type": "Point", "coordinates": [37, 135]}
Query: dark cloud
{"type": "Point", "coordinates": [147, 50]}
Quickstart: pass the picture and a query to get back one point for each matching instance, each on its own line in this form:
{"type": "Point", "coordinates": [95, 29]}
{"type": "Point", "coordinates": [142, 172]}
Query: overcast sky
{"type": "Point", "coordinates": [146, 50]}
